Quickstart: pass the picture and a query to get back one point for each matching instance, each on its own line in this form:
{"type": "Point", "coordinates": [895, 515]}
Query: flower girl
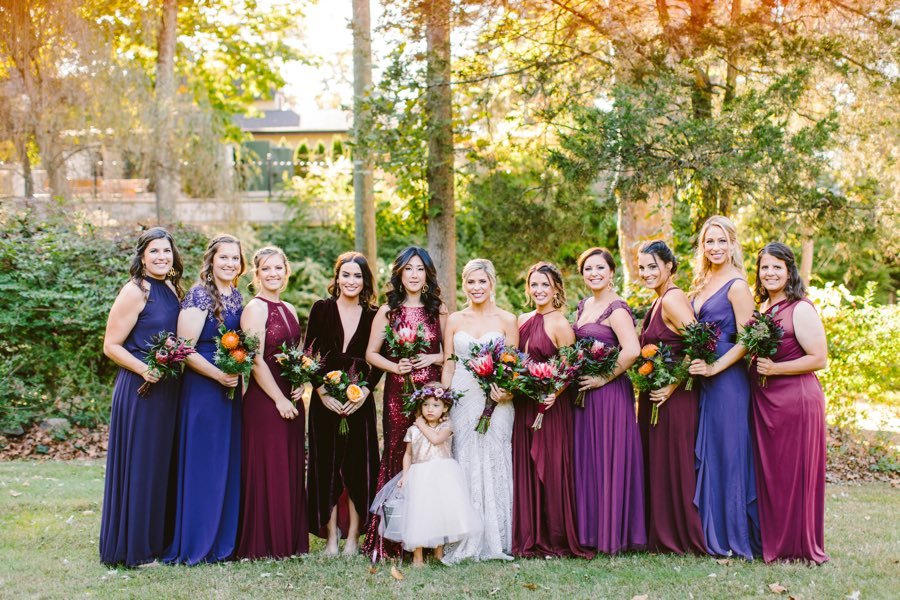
{"type": "Point", "coordinates": [427, 504]}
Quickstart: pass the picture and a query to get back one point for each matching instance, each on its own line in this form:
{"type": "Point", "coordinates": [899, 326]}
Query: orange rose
{"type": "Point", "coordinates": [649, 351]}
{"type": "Point", "coordinates": [239, 355]}
{"type": "Point", "coordinates": [333, 376]}
{"type": "Point", "coordinates": [646, 368]}
{"type": "Point", "coordinates": [354, 393]}
{"type": "Point", "coordinates": [230, 340]}
{"type": "Point", "coordinates": [306, 361]}
{"type": "Point", "coordinates": [508, 357]}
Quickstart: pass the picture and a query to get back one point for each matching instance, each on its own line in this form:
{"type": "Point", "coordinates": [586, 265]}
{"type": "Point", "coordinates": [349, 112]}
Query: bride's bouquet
{"type": "Point", "coordinates": [496, 363]}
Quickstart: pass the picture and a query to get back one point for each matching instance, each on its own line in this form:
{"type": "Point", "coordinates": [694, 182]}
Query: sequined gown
{"type": "Point", "coordinates": [395, 423]}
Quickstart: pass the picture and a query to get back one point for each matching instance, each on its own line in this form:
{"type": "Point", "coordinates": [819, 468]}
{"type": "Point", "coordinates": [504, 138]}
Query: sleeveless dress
{"type": "Point", "coordinates": [273, 499]}
{"type": "Point", "coordinates": [544, 507]}
{"type": "Point", "coordinates": [208, 458]}
{"type": "Point", "coordinates": [136, 524]}
{"type": "Point", "coordinates": [609, 464]}
{"type": "Point", "coordinates": [486, 460]}
{"type": "Point", "coordinates": [433, 507]}
{"type": "Point", "coordinates": [673, 522]}
{"type": "Point", "coordinates": [789, 427]}
{"type": "Point", "coordinates": [395, 423]}
{"type": "Point", "coordinates": [341, 466]}
{"type": "Point", "coordinates": [726, 482]}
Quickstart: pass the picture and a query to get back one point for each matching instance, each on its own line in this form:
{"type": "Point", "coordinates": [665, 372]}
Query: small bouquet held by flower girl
{"type": "Point", "coordinates": [235, 351]}
{"type": "Point", "coordinates": [592, 358]}
{"type": "Point", "coordinates": [657, 367]}
{"type": "Point", "coordinates": [493, 363]}
{"type": "Point", "coordinates": [405, 342]}
{"type": "Point", "coordinates": [700, 341]}
{"type": "Point", "coordinates": [540, 379]}
{"type": "Point", "coordinates": [298, 366]}
{"type": "Point", "coordinates": [344, 386]}
{"type": "Point", "coordinates": [761, 336]}
{"type": "Point", "coordinates": [165, 357]}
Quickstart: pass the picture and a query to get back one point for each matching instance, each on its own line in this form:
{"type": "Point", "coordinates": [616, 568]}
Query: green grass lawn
{"type": "Point", "coordinates": [50, 519]}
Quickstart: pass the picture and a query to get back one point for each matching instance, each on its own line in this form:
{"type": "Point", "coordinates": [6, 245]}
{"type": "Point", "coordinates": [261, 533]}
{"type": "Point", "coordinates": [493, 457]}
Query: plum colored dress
{"type": "Point", "coordinates": [609, 463]}
{"type": "Point", "coordinates": [789, 427]}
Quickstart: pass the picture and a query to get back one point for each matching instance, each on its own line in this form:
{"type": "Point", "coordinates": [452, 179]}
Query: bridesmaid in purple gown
{"type": "Point", "coordinates": [136, 523]}
{"type": "Point", "coordinates": [789, 416]}
{"type": "Point", "coordinates": [208, 459]}
{"type": "Point", "coordinates": [726, 482]}
{"type": "Point", "coordinates": [343, 469]}
{"type": "Point", "coordinates": [544, 507]}
{"type": "Point", "coordinates": [273, 497]}
{"type": "Point", "coordinates": [414, 297]}
{"type": "Point", "coordinates": [609, 464]}
{"type": "Point", "coordinates": [673, 522]}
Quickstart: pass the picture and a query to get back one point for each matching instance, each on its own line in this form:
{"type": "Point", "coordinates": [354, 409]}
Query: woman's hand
{"type": "Point", "coordinates": [402, 481]}
{"type": "Point", "coordinates": [330, 403]}
{"type": "Point", "coordinates": [297, 394]}
{"type": "Point", "coordinates": [661, 395]}
{"type": "Point", "coordinates": [591, 382]}
{"type": "Point", "coordinates": [286, 409]}
{"type": "Point", "coordinates": [421, 424]}
{"type": "Point", "coordinates": [227, 380]}
{"type": "Point", "coordinates": [149, 375]}
{"type": "Point", "coordinates": [403, 367]}
{"type": "Point", "coordinates": [700, 367]}
{"type": "Point", "coordinates": [351, 407]}
{"type": "Point", "coordinates": [766, 366]}
{"type": "Point", "coordinates": [549, 401]}
{"type": "Point", "coordinates": [426, 360]}
{"type": "Point", "coordinates": [500, 395]}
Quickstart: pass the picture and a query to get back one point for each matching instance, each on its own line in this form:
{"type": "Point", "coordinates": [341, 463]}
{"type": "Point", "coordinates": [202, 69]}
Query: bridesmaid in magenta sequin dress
{"type": "Point", "coordinates": [788, 416]}
{"type": "Point", "coordinates": [544, 507]}
{"type": "Point", "coordinates": [273, 520]}
{"type": "Point", "coordinates": [414, 298]}
{"type": "Point", "coordinates": [673, 521]}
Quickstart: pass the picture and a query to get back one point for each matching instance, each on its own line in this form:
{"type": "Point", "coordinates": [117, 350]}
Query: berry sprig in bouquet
{"type": "Point", "coordinates": [761, 337]}
{"type": "Point", "coordinates": [405, 342]}
{"type": "Point", "coordinates": [657, 367]}
{"type": "Point", "coordinates": [166, 357]}
{"type": "Point", "coordinates": [700, 341]}
{"type": "Point", "coordinates": [235, 351]}
{"type": "Point", "coordinates": [344, 386]}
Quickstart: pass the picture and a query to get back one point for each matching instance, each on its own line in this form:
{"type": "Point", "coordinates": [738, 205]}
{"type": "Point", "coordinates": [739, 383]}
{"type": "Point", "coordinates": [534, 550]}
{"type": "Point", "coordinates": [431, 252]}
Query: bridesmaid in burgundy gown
{"type": "Point", "coordinates": [414, 297]}
{"type": "Point", "coordinates": [670, 478]}
{"type": "Point", "coordinates": [788, 416]}
{"type": "Point", "coordinates": [273, 500]}
{"type": "Point", "coordinates": [343, 469]}
{"type": "Point", "coordinates": [544, 508]}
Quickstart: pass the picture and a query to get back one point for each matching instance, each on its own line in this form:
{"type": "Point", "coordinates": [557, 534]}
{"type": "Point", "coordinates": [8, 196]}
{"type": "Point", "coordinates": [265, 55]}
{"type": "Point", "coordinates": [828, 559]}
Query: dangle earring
{"type": "Point", "coordinates": [172, 273]}
{"type": "Point", "coordinates": [425, 289]}
{"type": "Point", "coordinates": [209, 277]}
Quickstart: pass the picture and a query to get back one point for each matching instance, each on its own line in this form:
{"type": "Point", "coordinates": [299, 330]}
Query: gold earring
{"type": "Point", "coordinates": [172, 273]}
{"type": "Point", "coordinates": [425, 289]}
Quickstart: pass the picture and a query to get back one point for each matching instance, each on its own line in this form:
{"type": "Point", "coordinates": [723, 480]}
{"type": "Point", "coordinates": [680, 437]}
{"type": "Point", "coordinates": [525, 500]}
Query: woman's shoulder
{"type": "Point", "coordinates": [524, 317]}
{"type": "Point", "coordinates": [197, 297]}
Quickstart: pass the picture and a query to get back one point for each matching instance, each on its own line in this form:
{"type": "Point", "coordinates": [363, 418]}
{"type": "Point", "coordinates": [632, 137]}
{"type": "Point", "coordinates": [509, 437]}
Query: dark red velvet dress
{"type": "Point", "coordinates": [341, 466]}
{"type": "Point", "coordinates": [670, 478]}
{"type": "Point", "coordinates": [273, 500]}
{"type": "Point", "coordinates": [544, 507]}
{"type": "Point", "coordinates": [395, 423]}
{"type": "Point", "coordinates": [788, 419]}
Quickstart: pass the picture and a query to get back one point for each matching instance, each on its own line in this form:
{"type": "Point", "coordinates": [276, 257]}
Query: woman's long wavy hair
{"type": "Point", "coordinates": [702, 264]}
{"type": "Point", "coordinates": [556, 281]}
{"type": "Point", "coordinates": [207, 279]}
{"type": "Point", "coordinates": [794, 289]}
{"type": "Point", "coordinates": [431, 293]}
{"type": "Point", "coordinates": [367, 295]}
{"type": "Point", "coordinates": [136, 270]}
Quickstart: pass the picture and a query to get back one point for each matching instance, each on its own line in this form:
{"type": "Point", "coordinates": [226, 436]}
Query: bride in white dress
{"type": "Point", "coordinates": [486, 459]}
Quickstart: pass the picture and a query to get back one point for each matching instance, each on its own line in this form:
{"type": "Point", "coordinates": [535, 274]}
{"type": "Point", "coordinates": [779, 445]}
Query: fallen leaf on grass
{"type": "Point", "coordinates": [641, 597]}
{"type": "Point", "coordinates": [854, 595]}
{"type": "Point", "coordinates": [265, 574]}
{"type": "Point", "coordinates": [14, 493]}
{"type": "Point", "coordinates": [396, 574]}
{"type": "Point", "coordinates": [373, 570]}
{"type": "Point", "coordinates": [724, 561]}
{"type": "Point", "coordinates": [530, 586]}
{"type": "Point", "coordinates": [777, 588]}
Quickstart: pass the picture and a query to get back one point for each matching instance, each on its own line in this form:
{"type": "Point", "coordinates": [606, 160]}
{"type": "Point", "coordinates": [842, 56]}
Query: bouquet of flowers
{"type": "Point", "coordinates": [344, 387]}
{"type": "Point", "coordinates": [234, 354]}
{"type": "Point", "coordinates": [165, 356]}
{"type": "Point", "coordinates": [539, 379]}
{"type": "Point", "coordinates": [299, 366]}
{"type": "Point", "coordinates": [761, 337]}
{"type": "Point", "coordinates": [406, 342]}
{"type": "Point", "coordinates": [411, 403]}
{"type": "Point", "coordinates": [655, 368]}
{"type": "Point", "coordinates": [493, 362]}
{"type": "Point", "coordinates": [590, 357]}
{"type": "Point", "coordinates": [700, 340]}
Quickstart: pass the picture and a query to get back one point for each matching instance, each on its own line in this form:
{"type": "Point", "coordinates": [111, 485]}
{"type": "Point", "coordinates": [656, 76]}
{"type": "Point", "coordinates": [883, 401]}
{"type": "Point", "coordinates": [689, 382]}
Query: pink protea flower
{"type": "Point", "coordinates": [406, 335]}
{"type": "Point", "coordinates": [541, 370]}
{"type": "Point", "coordinates": [483, 365]}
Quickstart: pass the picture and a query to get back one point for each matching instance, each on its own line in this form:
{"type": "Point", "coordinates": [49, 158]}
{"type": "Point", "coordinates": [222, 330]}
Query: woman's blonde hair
{"type": "Point", "coordinates": [481, 264]}
{"type": "Point", "coordinates": [556, 282]}
{"type": "Point", "coordinates": [261, 256]}
{"type": "Point", "coordinates": [206, 271]}
{"type": "Point", "coordinates": [702, 264]}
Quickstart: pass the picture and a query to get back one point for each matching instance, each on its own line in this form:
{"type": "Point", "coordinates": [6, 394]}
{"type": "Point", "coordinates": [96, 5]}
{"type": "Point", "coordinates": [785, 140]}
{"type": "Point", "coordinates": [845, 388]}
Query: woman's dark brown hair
{"type": "Point", "coordinates": [136, 271]}
{"type": "Point", "coordinates": [794, 289]}
{"type": "Point", "coordinates": [556, 281]}
{"type": "Point", "coordinates": [367, 295]}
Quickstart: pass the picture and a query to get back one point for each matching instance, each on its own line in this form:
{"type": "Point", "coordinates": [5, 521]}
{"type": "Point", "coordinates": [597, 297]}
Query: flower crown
{"type": "Point", "coordinates": [447, 396]}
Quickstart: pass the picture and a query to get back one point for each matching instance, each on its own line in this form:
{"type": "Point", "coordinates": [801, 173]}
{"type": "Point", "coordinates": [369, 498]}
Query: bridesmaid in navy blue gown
{"type": "Point", "coordinates": [208, 458]}
{"type": "Point", "coordinates": [726, 483]}
{"type": "Point", "coordinates": [135, 523]}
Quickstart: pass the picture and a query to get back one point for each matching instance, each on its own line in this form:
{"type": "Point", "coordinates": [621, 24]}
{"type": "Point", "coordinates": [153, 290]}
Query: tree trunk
{"type": "Point", "coordinates": [439, 172]}
{"type": "Point", "coordinates": [363, 184]}
{"type": "Point", "coordinates": [731, 72]}
{"type": "Point", "coordinates": [27, 175]}
{"type": "Point", "coordinates": [806, 259]}
{"type": "Point", "coordinates": [166, 163]}
{"type": "Point", "coordinates": [643, 217]}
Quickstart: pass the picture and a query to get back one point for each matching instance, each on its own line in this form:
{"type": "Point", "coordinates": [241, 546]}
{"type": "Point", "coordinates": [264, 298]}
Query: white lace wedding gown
{"type": "Point", "coordinates": [486, 460]}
